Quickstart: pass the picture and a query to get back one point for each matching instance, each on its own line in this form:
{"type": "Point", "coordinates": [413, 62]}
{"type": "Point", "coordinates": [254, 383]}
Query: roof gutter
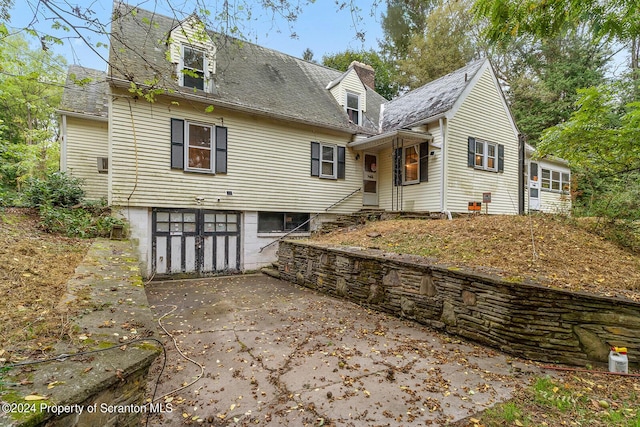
{"type": "Point", "coordinates": [121, 83]}
{"type": "Point", "coordinates": [83, 115]}
{"type": "Point", "coordinates": [387, 137]}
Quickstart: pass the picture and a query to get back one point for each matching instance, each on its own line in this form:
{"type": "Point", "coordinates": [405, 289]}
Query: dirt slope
{"type": "Point", "coordinates": [34, 269]}
{"type": "Point", "coordinates": [550, 249]}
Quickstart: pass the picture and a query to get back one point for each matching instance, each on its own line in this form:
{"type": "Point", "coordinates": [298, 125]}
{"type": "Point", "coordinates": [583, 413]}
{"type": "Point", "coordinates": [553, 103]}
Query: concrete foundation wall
{"type": "Point", "coordinates": [523, 319]}
{"type": "Point", "coordinates": [140, 233]}
{"type": "Point", "coordinates": [139, 220]}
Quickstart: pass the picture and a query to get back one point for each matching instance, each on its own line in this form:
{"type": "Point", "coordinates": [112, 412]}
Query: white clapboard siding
{"type": "Point", "coordinates": [350, 83]}
{"type": "Point", "coordinates": [191, 32]}
{"type": "Point", "coordinates": [424, 196]}
{"type": "Point", "coordinates": [268, 163]}
{"type": "Point", "coordinates": [483, 115]}
{"type": "Point", "coordinates": [86, 140]}
{"type": "Point", "coordinates": [554, 202]}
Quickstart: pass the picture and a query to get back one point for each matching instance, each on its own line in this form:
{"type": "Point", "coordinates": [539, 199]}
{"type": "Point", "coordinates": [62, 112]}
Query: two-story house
{"type": "Point", "coordinates": [213, 148]}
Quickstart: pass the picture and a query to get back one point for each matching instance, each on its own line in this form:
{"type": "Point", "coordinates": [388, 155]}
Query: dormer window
{"type": "Point", "coordinates": [194, 64]}
{"type": "Point", "coordinates": [353, 107]}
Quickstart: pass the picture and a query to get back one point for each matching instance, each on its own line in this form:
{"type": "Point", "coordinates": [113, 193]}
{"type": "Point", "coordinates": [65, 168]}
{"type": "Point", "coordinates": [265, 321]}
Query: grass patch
{"type": "Point", "coordinates": [571, 399]}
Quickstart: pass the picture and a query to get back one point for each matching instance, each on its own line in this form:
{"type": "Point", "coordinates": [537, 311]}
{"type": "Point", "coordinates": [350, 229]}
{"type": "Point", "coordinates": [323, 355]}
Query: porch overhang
{"type": "Point", "coordinates": [377, 142]}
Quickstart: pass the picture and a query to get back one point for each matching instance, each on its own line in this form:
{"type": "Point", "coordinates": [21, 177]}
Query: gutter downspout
{"type": "Point", "coordinates": [521, 178]}
{"type": "Point", "coordinates": [443, 151]}
{"type": "Point", "coordinates": [63, 144]}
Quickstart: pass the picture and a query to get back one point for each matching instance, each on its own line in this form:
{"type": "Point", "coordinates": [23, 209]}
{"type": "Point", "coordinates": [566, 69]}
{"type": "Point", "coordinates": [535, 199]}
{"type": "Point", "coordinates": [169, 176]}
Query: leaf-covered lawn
{"type": "Point", "coordinates": [34, 269]}
{"type": "Point", "coordinates": [550, 249]}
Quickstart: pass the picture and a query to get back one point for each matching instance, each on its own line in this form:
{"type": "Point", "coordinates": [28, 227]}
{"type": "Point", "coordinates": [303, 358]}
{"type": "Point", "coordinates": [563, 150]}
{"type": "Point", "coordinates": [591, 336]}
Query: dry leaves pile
{"type": "Point", "coordinates": [545, 248]}
{"type": "Point", "coordinates": [34, 268]}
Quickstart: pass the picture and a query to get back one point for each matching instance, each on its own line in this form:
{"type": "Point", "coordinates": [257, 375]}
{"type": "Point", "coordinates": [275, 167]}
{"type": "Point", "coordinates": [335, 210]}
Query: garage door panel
{"type": "Point", "coordinates": [232, 249]}
{"type": "Point", "coordinates": [160, 256]}
{"type": "Point", "coordinates": [221, 253]}
{"type": "Point", "coordinates": [176, 254]}
{"type": "Point", "coordinates": [195, 241]}
{"type": "Point", "coordinates": [208, 243]}
{"type": "Point", "coordinates": [190, 257]}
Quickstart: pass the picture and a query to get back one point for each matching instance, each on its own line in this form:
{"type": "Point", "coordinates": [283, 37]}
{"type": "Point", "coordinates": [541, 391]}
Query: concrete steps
{"type": "Point", "coordinates": [272, 270]}
{"type": "Point", "coordinates": [364, 215]}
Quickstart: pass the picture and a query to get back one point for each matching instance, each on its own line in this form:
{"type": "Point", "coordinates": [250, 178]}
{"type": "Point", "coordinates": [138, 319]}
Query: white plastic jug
{"type": "Point", "coordinates": [618, 361]}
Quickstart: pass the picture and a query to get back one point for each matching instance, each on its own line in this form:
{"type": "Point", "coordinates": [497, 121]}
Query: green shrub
{"type": "Point", "coordinates": [57, 189]}
{"type": "Point", "coordinates": [77, 222]}
{"type": "Point", "coordinates": [105, 223]}
{"type": "Point", "coordinates": [9, 197]}
{"type": "Point", "coordinates": [70, 222]}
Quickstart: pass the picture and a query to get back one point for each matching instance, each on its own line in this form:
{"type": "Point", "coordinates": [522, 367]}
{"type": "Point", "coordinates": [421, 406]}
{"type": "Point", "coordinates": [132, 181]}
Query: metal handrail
{"type": "Point", "coordinates": [309, 220]}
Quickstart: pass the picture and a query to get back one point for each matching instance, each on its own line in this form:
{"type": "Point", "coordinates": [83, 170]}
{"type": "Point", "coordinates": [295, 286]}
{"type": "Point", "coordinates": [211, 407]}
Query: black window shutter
{"type": "Point", "coordinates": [500, 158]}
{"type": "Point", "coordinates": [472, 152]}
{"type": "Point", "coordinates": [177, 144]}
{"type": "Point", "coordinates": [341, 162]}
{"type": "Point", "coordinates": [221, 149]}
{"type": "Point", "coordinates": [533, 173]}
{"type": "Point", "coordinates": [424, 162]}
{"type": "Point", "coordinates": [397, 167]}
{"type": "Point", "coordinates": [315, 159]}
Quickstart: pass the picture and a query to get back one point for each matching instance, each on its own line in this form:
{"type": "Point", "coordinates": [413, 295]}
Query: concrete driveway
{"type": "Point", "coordinates": [276, 354]}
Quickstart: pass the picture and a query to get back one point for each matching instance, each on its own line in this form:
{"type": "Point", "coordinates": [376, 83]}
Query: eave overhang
{"type": "Point", "coordinates": [87, 116]}
{"type": "Point", "coordinates": [386, 139]}
{"type": "Point", "coordinates": [211, 100]}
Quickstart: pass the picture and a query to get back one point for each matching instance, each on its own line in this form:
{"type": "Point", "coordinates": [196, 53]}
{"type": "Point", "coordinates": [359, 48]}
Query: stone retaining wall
{"type": "Point", "coordinates": [103, 382]}
{"type": "Point", "coordinates": [523, 319]}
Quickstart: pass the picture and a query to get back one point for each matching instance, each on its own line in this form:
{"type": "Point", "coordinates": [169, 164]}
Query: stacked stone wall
{"type": "Point", "coordinates": [100, 377]}
{"type": "Point", "coordinates": [519, 317]}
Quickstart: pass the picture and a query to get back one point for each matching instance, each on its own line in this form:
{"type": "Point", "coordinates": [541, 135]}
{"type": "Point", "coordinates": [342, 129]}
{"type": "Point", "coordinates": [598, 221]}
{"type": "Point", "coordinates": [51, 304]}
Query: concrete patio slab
{"type": "Point", "coordinates": [275, 354]}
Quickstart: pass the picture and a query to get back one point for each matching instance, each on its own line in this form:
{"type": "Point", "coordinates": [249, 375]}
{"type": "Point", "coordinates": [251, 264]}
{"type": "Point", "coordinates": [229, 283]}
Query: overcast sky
{"type": "Point", "coordinates": [321, 27]}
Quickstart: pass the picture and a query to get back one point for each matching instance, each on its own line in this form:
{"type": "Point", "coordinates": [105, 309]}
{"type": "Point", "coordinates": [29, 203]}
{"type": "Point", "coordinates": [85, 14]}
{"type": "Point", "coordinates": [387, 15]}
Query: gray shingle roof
{"type": "Point", "coordinates": [429, 100]}
{"type": "Point", "coordinates": [248, 76]}
{"type": "Point", "coordinates": [88, 96]}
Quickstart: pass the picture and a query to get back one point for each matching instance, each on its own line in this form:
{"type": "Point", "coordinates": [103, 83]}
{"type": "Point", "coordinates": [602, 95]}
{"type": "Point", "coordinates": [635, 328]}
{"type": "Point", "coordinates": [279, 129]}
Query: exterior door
{"type": "Point", "coordinates": [370, 180]}
{"type": "Point", "coordinates": [195, 241]}
{"type": "Point", "coordinates": [534, 187]}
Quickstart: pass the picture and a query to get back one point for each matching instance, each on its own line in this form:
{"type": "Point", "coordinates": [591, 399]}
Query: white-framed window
{"type": "Point", "coordinates": [353, 108]}
{"type": "Point", "coordinates": [553, 180]}
{"type": "Point", "coordinates": [198, 147]}
{"type": "Point", "coordinates": [411, 165]}
{"type": "Point", "coordinates": [199, 155]}
{"type": "Point", "coordinates": [486, 155]}
{"type": "Point", "coordinates": [328, 161]}
{"type": "Point", "coordinates": [194, 64]}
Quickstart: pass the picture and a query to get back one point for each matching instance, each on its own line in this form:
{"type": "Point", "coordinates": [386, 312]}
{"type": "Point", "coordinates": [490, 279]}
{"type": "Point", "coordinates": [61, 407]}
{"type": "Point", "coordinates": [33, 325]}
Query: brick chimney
{"type": "Point", "coordinates": [366, 73]}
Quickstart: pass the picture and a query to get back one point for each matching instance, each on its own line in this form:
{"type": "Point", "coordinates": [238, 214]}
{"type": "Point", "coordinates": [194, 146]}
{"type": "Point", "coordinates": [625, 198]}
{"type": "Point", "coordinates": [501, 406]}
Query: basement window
{"type": "Point", "coordinates": [278, 222]}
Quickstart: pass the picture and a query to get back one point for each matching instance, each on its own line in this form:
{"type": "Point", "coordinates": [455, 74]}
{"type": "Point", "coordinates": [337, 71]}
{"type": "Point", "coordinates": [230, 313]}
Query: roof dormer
{"type": "Point", "coordinates": [351, 93]}
{"type": "Point", "coordinates": [193, 52]}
